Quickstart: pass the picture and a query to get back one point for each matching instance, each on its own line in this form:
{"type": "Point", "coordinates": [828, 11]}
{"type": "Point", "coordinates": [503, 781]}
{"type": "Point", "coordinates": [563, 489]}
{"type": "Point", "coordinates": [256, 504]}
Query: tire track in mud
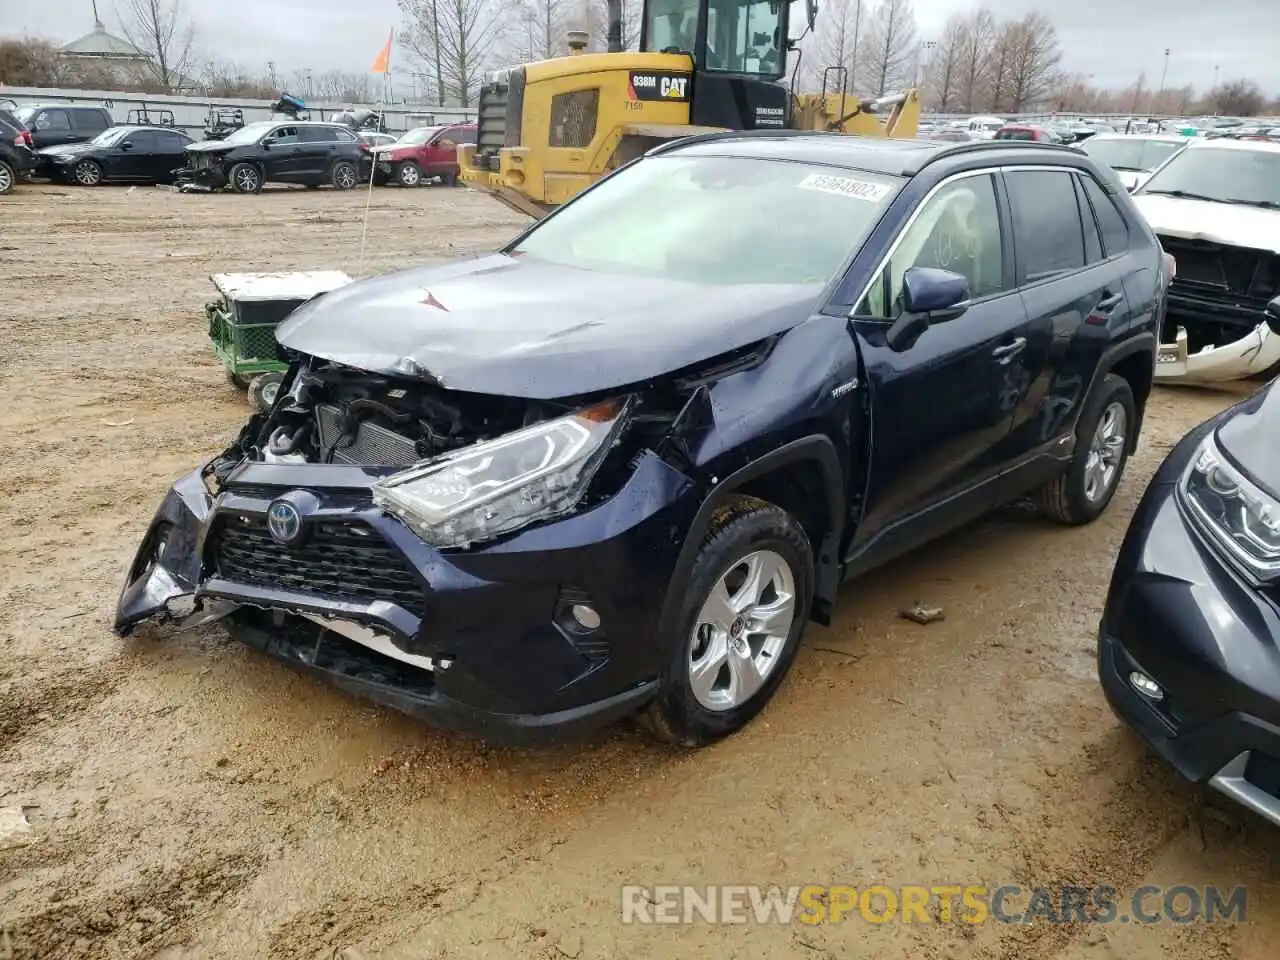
{"type": "Point", "coordinates": [133, 919]}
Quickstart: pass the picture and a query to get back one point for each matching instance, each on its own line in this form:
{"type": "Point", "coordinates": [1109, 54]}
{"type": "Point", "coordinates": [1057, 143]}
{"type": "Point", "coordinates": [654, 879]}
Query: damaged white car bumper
{"type": "Point", "coordinates": [1251, 355]}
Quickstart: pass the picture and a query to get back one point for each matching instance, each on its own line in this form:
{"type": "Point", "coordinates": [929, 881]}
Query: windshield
{"type": "Point", "coordinates": [743, 36]}
{"type": "Point", "coordinates": [1221, 173]}
{"type": "Point", "coordinates": [108, 136]}
{"type": "Point", "coordinates": [419, 135]}
{"type": "Point", "coordinates": [1131, 153]}
{"type": "Point", "coordinates": [717, 220]}
{"type": "Point", "coordinates": [247, 134]}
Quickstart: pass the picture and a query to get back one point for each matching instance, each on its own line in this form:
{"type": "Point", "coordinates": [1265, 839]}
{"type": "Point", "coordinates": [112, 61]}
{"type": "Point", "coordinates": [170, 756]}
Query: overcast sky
{"type": "Point", "coordinates": [1111, 39]}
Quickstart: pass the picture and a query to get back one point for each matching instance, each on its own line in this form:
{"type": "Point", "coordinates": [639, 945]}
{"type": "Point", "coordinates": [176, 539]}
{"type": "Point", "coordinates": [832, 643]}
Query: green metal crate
{"type": "Point", "coordinates": [243, 320]}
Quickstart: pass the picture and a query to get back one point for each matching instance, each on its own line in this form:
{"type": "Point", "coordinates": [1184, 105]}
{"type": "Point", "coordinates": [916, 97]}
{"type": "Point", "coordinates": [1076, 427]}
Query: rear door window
{"type": "Point", "coordinates": [1047, 230]}
{"type": "Point", "coordinates": [1093, 252]}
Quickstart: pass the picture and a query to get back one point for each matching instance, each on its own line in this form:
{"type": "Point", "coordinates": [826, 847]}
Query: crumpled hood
{"type": "Point", "coordinates": [515, 327]}
{"type": "Point", "coordinates": [1225, 223]}
{"type": "Point", "coordinates": [208, 146]}
{"type": "Point", "coordinates": [1252, 438]}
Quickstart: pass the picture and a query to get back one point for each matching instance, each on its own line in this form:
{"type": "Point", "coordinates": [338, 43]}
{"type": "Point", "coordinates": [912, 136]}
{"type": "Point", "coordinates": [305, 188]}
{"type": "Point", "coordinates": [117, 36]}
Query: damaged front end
{"type": "Point", "coordinates": [488, 563]}
{"type": "Point", "coordinates": [1223, 320]}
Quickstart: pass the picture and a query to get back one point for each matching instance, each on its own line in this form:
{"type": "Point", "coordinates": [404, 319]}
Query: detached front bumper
{"type": "Point", "coordinates": [482, 640]}
{"type": "Point", "coordinates": [1178, 614]}
{"type": "Point", "coordinates": [1252, 354]}
{"type": "Point", "coordinates": [208, 178]}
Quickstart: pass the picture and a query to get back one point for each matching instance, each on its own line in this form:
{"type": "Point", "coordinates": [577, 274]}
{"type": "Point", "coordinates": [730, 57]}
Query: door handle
{"type": "Point", "coordinates": [1098, 315]}
{"type": "Point", "coordinates": [1008, 351]}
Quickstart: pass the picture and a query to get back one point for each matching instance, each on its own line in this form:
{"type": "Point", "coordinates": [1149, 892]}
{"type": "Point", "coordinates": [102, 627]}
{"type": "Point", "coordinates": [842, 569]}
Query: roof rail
{"type": "Point", "coordinates": [979, 146]}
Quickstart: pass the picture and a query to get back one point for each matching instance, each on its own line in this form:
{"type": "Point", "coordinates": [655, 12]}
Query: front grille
{"type": "Point", "coordinates": [371, 446]}
{"type": "Point", "coordinates": [337, 561]}
{"type": "Point", "coordinates": [1237, 276]}
{"type": "Point", "coordinates": [498, 117]}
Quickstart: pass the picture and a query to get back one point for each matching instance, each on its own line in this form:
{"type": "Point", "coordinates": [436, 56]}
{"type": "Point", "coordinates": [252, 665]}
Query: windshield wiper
{"type": "Point", "coordinates": [1186, 195]}
{"type": "Point", "coordinates": [1264, 204]}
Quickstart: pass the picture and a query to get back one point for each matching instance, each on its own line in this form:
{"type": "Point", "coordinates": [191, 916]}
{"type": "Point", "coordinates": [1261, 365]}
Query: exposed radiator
{"type": "Point", "coordinates": [372, 445]}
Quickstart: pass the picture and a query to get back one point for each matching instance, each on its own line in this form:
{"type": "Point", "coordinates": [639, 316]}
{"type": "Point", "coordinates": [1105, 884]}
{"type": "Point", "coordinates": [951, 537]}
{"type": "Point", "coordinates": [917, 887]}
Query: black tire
{"type": "Point", "coordinates": [245, 178]}
{"type": "Point", "coordinates": [238, 381]}
{"type": "Point", "coordinates": [344, 175]}
{"type": "Point", "coordinates": [88, 173]}
{"type": "Point", "coordinates": [8, 178]}
{"type": "Point", "coordinates": [409, 174]}
{"type": "Point", "coordinates": [263, 390]}
{"type": "Point", "coordinates": [1065, 498]}
{"type": "Point", "coordinates": [743, 525]}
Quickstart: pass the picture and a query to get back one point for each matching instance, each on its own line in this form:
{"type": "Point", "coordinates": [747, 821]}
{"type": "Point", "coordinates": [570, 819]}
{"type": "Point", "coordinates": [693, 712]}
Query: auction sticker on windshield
{"type": "Point", "coordinates": [845, 186]}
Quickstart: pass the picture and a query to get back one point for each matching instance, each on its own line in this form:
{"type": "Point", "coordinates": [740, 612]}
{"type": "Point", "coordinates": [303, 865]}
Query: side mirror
{"type": "Point", "coordinates": [127, 145]}
{"type": "Point", "coordinates": [929, 296]}
{"type": "Point", "coordinates": [1273, 316]}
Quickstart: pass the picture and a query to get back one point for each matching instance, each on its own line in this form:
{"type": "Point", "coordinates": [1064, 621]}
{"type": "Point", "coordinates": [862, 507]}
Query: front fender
{"type": "Point", "coordinates": [167, 563]}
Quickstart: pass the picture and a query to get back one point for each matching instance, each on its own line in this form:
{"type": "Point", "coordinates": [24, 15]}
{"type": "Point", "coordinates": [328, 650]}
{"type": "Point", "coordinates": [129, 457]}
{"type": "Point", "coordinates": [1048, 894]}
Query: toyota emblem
{"type": "Point", "coordinates": [284, 522]}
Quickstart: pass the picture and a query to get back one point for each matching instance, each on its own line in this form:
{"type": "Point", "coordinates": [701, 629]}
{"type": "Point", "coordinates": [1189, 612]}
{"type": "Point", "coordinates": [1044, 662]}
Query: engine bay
{"type": "Point", "coordinates": [337, 415]}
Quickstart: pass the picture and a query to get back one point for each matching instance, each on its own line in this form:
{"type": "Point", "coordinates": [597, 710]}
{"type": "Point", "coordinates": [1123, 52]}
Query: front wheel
{"type": "Point", "coordinates": [408, 174]}
{"type": "Point", "coordinates": [344, 175]}
{"type": "Point", "coordinates": [88, 173]}
{"type": "Point", "coordinates": [245, 178]}
{"type": "Point", "coordinates": [8, 177]}
{"type": "Point", "coordinates": [1103, 438]}
{"type": "Point", "coordinates": [742, 612]}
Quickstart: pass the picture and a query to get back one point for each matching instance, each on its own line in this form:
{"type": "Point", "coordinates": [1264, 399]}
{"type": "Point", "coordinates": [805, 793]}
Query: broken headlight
{"type": "Point", "coordinates": [495, 487]}
{"type": "Point", "coordinates": [1240, 517]}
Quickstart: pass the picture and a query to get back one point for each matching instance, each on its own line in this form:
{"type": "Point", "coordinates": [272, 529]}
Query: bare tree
{"type": "Point", "coordinates": [946, 68]}
{"type": "Point", "coordinates": [31, 63]}
{"type": "Point", "coordinates": [1034, 56]}
{"type": "Point", "coordinates": [891, 47]}
{"type": "Point", "coordinates": [161, 29]}
{"type": "Point", "coordinates": [539, 28]}
{"type": "Point", "coordinates": [974, 58]}
{"type": "Point", "coordinates": [835, 44]}
{"type": "Point", "coordinates": [601, 16]}
{"type": "Point", "coordinates": [1239, 98]}
{"type": "Point", "coordinates": [341, 87]}
{"type": "Point", "coordinates": [225, 79]}
{"type": "Point", "coordinates": [1001, 67]}
{"type": "Point", "coordinates": [458, 39]}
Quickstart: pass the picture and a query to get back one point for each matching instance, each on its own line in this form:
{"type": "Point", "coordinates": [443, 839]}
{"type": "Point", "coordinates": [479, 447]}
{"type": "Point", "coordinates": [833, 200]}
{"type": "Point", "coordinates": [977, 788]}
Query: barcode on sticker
{"type": "Point", "coordinates": [845, 186]}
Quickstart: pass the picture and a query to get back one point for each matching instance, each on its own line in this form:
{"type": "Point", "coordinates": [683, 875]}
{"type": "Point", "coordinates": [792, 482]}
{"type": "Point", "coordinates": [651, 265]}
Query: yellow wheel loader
{"type": "Point", "coordinates": [548, 130]}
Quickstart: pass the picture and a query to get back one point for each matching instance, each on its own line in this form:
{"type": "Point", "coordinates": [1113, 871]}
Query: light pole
{"type": "Point", "coordinates": [922, 60]}
{"type": "Point", "coordinates": [1163, 74]}
{"type": "Point", "coordinates": [1216, 68]}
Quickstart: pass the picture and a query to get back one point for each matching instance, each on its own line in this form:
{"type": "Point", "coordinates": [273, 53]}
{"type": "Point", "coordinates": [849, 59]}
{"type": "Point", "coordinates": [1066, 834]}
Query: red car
{"type": "Point", "coordinates": [1026, 132]}
{"type": "Point", "coordinates": [422, 154]}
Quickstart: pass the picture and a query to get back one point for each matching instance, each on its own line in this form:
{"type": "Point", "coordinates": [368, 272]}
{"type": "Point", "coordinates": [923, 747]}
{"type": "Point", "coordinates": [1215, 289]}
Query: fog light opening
{"type": "Point", "coordinates": [1146, 686]}
{"type": "Point", "coordinates": [585, 616]}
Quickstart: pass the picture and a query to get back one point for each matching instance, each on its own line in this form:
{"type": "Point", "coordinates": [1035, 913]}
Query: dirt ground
{"type": "Point", "coordinates": [189, 798]}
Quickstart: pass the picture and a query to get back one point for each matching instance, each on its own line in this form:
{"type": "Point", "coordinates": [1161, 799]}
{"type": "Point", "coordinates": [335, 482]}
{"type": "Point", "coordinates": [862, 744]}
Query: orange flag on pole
{"type": "Point", "coordinates": [383, 63]}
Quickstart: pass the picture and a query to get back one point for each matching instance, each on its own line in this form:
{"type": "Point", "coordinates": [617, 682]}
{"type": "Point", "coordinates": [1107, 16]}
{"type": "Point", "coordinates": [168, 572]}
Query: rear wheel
{"type": "Point", "coordinates": [344, 175]}
{"type": "Point", "coordinates": [408, 174]}
{"type": "Point", "coordinates": [743, 610]}
{"type": "Point", "coordinates": [245, 178]}
{"type": "Point", "coordinates": [88, 173]}
{"type": "Point", "coordinates": [8, 177]}
{"type": "Point", "coordinates": [1103, 437]}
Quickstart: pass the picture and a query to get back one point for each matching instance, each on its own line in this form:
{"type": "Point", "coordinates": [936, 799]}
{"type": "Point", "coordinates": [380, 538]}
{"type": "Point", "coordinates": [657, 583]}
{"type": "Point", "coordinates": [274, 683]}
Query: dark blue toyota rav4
{"type": "Point", "coordinates": [617, 466]}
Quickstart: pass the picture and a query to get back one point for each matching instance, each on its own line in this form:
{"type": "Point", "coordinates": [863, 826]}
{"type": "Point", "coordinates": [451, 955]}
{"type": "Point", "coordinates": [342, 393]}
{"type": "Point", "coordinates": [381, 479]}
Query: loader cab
{"type": "Point", "coordinates": [739, 50]}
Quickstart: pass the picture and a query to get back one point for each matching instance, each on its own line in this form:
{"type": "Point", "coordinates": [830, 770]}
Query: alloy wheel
{"type": "Point", "coordinates": [741, 630]}
{"type": "Point", "coordinates": [247, 180]}
{"type": "Point", "coordinates": [346, 177]}
{"type": "Point", "coordinates": [88, 174]}
{"type": "Point", "coordinates": [409, 176]}
{"type": "Point", "coordinates": [1106, 450]}
{"type": "Point", "coordinates": [6, 178]}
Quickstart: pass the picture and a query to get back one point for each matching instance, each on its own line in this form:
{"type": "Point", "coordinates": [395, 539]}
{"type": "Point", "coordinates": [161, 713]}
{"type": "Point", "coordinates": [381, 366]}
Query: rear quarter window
{"type": "Point", "coordinates": [1115, 232]}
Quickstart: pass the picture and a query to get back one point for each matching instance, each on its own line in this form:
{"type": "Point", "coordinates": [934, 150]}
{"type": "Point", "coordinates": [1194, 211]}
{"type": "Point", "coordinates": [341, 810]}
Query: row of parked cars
{"type": "Point", "coordinates": [83, 145]}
